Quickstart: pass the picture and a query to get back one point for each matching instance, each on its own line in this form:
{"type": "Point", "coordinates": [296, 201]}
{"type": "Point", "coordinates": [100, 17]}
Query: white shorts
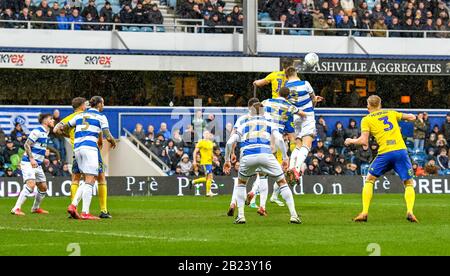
{"type": "Point", "coordinates": [261, 163]}
{"type": "Point", "coordinates": [30, 173]}
{"type": "Point", "coordinates": [308, 126]}
{"type": "Point", "coordinates": [87, 160]}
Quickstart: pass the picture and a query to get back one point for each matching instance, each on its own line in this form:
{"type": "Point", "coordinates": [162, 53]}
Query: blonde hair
{"type": "Point", "coordinates": [374, 101]}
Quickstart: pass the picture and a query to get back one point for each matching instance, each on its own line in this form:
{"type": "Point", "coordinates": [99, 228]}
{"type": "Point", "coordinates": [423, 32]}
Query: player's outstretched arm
{"type": "Point", "coordinates": [109, 137]}
{"type": "Point", "coordinates": [361, 140]}
{"type": "Point", "coordinates": [260, 83]}
{"type": "Point", "coordinates": [408, 117]}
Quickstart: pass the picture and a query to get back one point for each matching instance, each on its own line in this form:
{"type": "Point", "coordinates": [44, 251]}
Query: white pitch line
{"type": "Point", "coordinates": [111, 234]}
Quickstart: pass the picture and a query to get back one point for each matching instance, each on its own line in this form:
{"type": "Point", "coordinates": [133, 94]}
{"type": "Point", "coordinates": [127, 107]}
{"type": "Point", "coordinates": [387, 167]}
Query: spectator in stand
{"type": "Point", "coordinates": [395, 28]}
{"type": "Point", "coordinates": [107, 12]}
{"type": "Point", "coordinates": [446, 127]}
{"type": "Point", "coordinates": [155, 16]}
{"type": "Point", "coordinates": [9, 172]}
{"type": "Point", "coordinates": [442, 159]}
{"type": "Point", "coordinates": [17, 129]}
{"type": "Point", "coordinates": [8, 15]}
{"type": "Point", "coordinates": [418, 170]}
{"type": "Point", "coordinates": [90, 9]}
{"type": "Point", "coordinates": [441, 142]}
{"type": "Point", "coordinates": [431, 169]}
{"type": "Point", "coordinates": [419, 133]}
{"type": "Point", "coordinates": [196, 172]}
{"type": "Point", "coordinates": [326, 165]}
{"type": "Point", "coordinates": [24, 16]}
{"type": "Point", "coordinates": [352, 169]}
{"type": "Point", "coordinates": [185, 165]}
{"type": "Point", "coordinates": [217, 166]}
{"type": "Point", "coordinates": [49, 17]}
{"type": "Point", "coordinates": [185, 8]}
{"type": "Point", "coordinates": [229, 23]}
{"type": "Point", "coordinates": [346, 23]}
{"type": "Point", "coordinates": [62, 20]}
{"type": "Point", "coordinates": [171, 149]}
{"type": "Point", "coordinates": [352, 129]}
{"type": "Point", "coordinates": [199, 123]}
{"type": "Point", "coordinates": [236, 12]}
{"type": "Point", "coordinates": [44, 6]}
{"type": "Point", "coordinates": [20, 142]}
{"type": "Point", "coordinates": [347, 6]}
{"type": "Point", "coordinates": [363, 156]}
{"type": "Point", "coordinates": [177, 139]}
{"type": "Point", "coordinates": [178, 171]}
{"type": "Point", "coordinates": [417, 26]}
{"type": "Point", "coordinates": [408, 26]}
{"type": "Point", "coordinates": [103, 26]}
{"type": "Point", "coordinates": [431, 154]}
{"type": "Point", "coordinates": [76, 18]}
{"type": "Point", "coordinates": [320, 146]}
{"type": "Point", "coordinates": [189, 137]}
{"type": "Point", "coordinates": [338, 170]}
{"type": "Point", "coordinates": [431, 141]}
{"type": "Point", "coordinates": [150, 136]}
{"type": "Point", "coordinates": [439, 26]}
{"type": "Point", "coordinates": [2, 139]}
{"type": "Point", "coordinates": [338, 137]}
{"type": "Point", "coordinates": [374, 149]}
{"type": "Point", "coordinates": [164, 131]}
{"type": "Point", "coordinates": [139, 15]}
{"type": "Point", "coordinates": [65, 172]}
{"type": "Point", "coordinates": [139, 132]}
{"type": "Point", "coordinates": [165, 159]}
{"type": "Point", "coordinates": [293, 21]}
{"type": "Point", "coordinates": [10, 150]}
{"type": "Point", "coordinates": [322, 129]}
{"type": "Point", "coordinates": [312, 169]}
{"type": "Point", "coordinates": [55, 9]}
{"type": "Point", "coordinates": [365, 25]}
{"type": "Point", "coordinates": [380, 27]}
{"type": "Point", "coordinates": [126, 14]}
{"type": "Point", "coordinates": [427, 124]}
{"type": "Point", "coordinates": [74, 4]}
{"type": "Point", "coordinates": [157, 147]}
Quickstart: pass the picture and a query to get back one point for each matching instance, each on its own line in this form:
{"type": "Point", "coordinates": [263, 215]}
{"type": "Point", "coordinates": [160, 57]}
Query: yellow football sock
{"type": "Point", "coordinates": [367, 194]}
{"type": "Point", "coordinates": [73, 190]}
{"type": "Point", "coordinates": [410, 197]}
{"type": "Point", "coordinates": [208, 185]}
{"type": "Point", "coordinates": [103, 196]}
{"type": "Point", "coordinates": [199, 180]}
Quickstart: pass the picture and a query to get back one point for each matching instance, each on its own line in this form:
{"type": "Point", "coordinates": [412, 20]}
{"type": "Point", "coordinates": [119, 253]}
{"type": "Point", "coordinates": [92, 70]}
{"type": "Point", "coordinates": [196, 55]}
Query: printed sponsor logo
{"type": "Point", "coordinates": [61, 60]}
{"type": "Point", "coordinates": [14, 59]}
{"type": "Point", "coordinates": [104, 61]}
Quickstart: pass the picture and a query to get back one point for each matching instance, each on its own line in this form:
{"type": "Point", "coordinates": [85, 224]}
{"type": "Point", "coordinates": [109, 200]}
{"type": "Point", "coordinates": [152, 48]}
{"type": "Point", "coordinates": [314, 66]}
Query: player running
{"type": "Point", "coordinates": [255, 134]}
{"type": "Point", "coordinates": [302, 96]}
{"type": "Point", "coordinates": [88, 126]}
{"type": "Point", "coordinates": [32, 172]}
{"type": "Point", "coordinates": [392, 153]}
{"type": "Point", "coordinates": [206, 148]}
{"type": "Point", "coordinates": [79, 105]}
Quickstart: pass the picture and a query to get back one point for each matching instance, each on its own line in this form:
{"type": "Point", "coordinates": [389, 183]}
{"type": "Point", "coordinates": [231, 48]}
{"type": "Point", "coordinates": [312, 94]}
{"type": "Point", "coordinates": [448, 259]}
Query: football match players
{"type": "Point", "coordinates": [392, 153]}
{"type": "Point", "coordinates": [206, 148]}
{"type": "Point", "coordinates": [32, 172]}
{"type": "Point", "coordinates": [255, 133]}
{"type": "Point", "coordinates": [89, 125]}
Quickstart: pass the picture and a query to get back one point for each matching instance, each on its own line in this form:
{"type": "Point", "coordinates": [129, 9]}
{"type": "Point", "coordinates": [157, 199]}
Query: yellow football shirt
{"type": "Point", "coordinates": [206, 151]}
{"type": "Point", "coordinates": [277, 79]}
{"type": "Point", "coordinates": [383, 125]}
{"type": "Point", "coordinates": [72, 129]}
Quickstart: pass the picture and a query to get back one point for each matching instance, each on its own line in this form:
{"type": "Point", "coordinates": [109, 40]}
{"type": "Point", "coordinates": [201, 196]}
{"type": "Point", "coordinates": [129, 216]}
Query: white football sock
{"type": "Point", "coordinates": [286, 193]}
{"type": "Point", "coordinates": [234, 195]}
{"type": "Point", "coordinates": [263, 191]}
{"type": "Point", "coordinates": [78, 195]}
{"type": "Point", "coordinates": [256, 185]}
{"type": "Point", "coordinates": [276, 191]}
{"type": "Point", "coordinates": [301, 157]}
{"type": "Point", "coordinates": [38, 199]}
{"type": "Point", "coordinates": [87, 197]}
{"type": "Point", "coordinates": [293, 158]}
{"type": "Point", "coordinates": [26, 191]}
{"type": "Point", "coordinates": [240, 197]}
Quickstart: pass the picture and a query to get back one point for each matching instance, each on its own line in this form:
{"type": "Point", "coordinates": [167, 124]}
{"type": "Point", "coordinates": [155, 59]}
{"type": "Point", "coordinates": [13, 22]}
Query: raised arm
{"type": "Point", "coordinates": [60, 129]}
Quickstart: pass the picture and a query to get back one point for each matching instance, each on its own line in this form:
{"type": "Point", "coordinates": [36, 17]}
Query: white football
{"type": "Point", "coordinates": [311, 59]}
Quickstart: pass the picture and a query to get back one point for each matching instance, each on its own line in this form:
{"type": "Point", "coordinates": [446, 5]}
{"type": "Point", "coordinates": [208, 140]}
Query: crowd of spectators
{"type": "Point", "coordinates": [428, 148]}
{"type": "Point", "coordinates": [12, 149]}
{"type": "Point", "coordinates": [213, 15]}
{"type": "Point", "coordinates": [72, 12]}
{"type": "Point", "coordinates": [397, 16]}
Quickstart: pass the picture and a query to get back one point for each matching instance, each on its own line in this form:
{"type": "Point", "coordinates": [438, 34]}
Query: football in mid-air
{"type": "Point", "coordinates": [311, 59]}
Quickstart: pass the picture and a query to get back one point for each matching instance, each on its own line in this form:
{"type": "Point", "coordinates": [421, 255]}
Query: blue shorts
{"type": "Point", "coordinates": [208, 169]}
{"type": "Point", "coordinates": [289, 126]}
{"type": "Point", "coordinates": [397, 160]}
{"type": "Point", "coordinates": [76, 169]}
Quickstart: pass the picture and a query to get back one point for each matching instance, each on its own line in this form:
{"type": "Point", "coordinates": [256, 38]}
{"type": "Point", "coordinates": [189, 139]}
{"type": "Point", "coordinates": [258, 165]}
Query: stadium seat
{"type": "Point", "coordinates": [147, 29]}
{"type": "Point", "coordinates": [364, 169]}
{"type": "Point", "coordinates": [419, 159]}
{"type": "Point", "coordinates": [409, 145]}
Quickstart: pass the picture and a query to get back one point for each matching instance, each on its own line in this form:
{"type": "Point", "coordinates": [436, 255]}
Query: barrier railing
{"type": "Point", "coordinates": [146, 151]}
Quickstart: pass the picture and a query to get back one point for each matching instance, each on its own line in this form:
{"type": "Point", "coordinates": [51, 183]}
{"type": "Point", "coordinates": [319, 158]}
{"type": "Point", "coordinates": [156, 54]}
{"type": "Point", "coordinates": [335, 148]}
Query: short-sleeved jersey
{"type": "Point", "coordinates": [383, 125]}
{"type": "Point", "coordinates": [300, 95]}
{"type": "Point", "coordinates": [39, 139]}
{"type": "Point", "coordinates": [72, 129]}
{"type": "Point", "coordinates": [206, 151]}
{"type": "Point", "coordinates": [255, 134]}
{"type": "Point", "coordinates": [88, 125]}
{"type": "Point", "coordinates": [279, 111]}
{"type": "Point", "coordinates": [277, 79]}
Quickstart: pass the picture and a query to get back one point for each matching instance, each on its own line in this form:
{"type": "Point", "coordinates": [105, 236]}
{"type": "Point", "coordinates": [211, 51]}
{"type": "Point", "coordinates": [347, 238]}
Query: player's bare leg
{"type": "Point", "coordinates": [367, 195]}
{"type": "Point", "coordinates": [233, 202]}
{"type": "Point", "coordinates": [263, 193]}
{"type": "Point", "coordinates": [410, 197]}
{"type": "Point", "coordinates": [27, 190]}
{"type": "Point", "coordinates": [40, 195]}
{"type": "Point", "coordinates": [252, 194]}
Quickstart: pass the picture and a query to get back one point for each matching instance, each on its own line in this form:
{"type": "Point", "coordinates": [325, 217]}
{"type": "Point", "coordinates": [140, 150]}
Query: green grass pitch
{"type": "Point", "coordinates": [170, 225]}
